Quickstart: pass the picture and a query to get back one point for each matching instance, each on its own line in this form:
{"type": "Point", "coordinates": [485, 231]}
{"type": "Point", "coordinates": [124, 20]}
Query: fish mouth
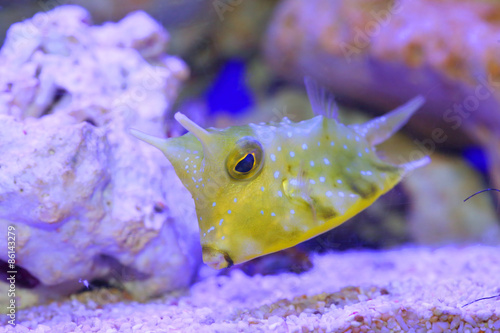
{"type": "Point", "coordinates": [216, 258]}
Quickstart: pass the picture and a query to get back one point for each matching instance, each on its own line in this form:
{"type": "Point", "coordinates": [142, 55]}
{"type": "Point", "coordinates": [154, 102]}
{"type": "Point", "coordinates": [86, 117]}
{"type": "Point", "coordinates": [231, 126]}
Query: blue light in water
{"type": "Point", "coordinates": [229, 91]}
{"type": "Point", "coordinates": [476, 158]}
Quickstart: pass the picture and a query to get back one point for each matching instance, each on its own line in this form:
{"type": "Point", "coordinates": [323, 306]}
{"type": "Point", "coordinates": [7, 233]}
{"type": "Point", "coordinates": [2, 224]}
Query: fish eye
{"type": "Point", "coordinates": [246, 159]}
{"type": "Point", "coordinates": [246, 163]}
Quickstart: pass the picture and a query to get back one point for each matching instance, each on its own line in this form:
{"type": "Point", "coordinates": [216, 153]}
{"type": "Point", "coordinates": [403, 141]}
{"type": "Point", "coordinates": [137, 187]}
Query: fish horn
{"type": "Point", "coordinates": [152, 140]}
{"type": "Point", "coordinates": [412, 165]}
{"type": "Point", "coordinates": [380, 129]}
{"type": "Point", "coordinates": [194, 128]}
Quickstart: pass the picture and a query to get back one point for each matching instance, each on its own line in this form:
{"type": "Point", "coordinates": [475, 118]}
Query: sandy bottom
{"type": "Point", "coordinates": [410, 289]}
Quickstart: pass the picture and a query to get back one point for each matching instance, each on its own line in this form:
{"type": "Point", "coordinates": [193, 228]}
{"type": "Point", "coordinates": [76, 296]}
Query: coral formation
{"type": "Point", "coordinates": [380, 53]}
{"type": "Point", "coordinates": [88, 200]}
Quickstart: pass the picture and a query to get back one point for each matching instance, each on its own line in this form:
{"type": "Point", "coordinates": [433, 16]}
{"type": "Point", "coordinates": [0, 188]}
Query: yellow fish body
{"type": "Point", "coordinates": [263, 188]}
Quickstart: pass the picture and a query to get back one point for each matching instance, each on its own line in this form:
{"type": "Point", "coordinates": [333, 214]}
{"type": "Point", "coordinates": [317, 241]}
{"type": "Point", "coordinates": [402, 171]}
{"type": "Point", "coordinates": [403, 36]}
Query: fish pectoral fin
{"type": "Point", "coordinates": [322, 102]}
{"type": "Point", "coordinates": [380, 129]}
{"type": "Point", "coordinates": [297, 190]}
{"type": "Point", "coordinates": [294, 190]}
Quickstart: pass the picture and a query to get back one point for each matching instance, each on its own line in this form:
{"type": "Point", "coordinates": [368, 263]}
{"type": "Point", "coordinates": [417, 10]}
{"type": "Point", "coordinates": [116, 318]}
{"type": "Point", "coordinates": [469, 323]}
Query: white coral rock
{"type": "Point", "coordinates": [88, 200]}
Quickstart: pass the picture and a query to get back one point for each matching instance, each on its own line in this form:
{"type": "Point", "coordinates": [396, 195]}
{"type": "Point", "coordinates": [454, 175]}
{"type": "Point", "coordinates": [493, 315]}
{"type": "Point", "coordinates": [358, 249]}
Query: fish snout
{"type": "Point", "coordinates": [216, 258]}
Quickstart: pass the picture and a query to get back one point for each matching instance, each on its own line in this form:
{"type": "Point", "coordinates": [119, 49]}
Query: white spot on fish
{"type": "Point", "coordinates": [319, 143]}
{"type": "Point", "coordinates": [223, 237]}
{"type": "Point", "coordinates": [345, 147]}
{"type": "Point", "coordinates": [322, 179]}
{"type": "Point", "coordinates": [367, 150]}
{"type": "Point", "coordinates": [235, 199]}
{"type": "Point", "coordinates": [332, 143]}
{"type": "Point", "coordinates": [213, 205]}
{"type": "Point", "coordinates": [279, 148]}
{"type": "Point", "coordinates": [273, 157]}
{"type": "Point", "coordinates": [280, 194]}
{"type": "Point", "coordinates": [262, 212]}
{"type": "Point", "coordinates": [312, 163]}
{"type": "Point", "coordinates": [186, 159]}
{"type": "Point", "coordinates": [304, 146]}
{"type": "Point", "coordinates": [272, 214]}
{"type": "Point", "coordinates": [329, 193]}
{"type": "Point", "coordinates": [292, 154]}
{"type": "Point", "coordinates": [360, 154]}
{"type": "Point", "coordinates": [326, 161]}
{"type": "Point", "coordinates": [229, 211]}
{"type": "Point", "coordinates": [292, 211]}
{"type": "Point", "coordinates": [357, 138]}
{"type": "Point", "coordinates": [276, 174]}
{"type": "Point", "coordinates": [341, 194]}
{"type": "Point", "coordinates": [220, 222]}
{"type": "Point", "coordinates": [289, 134]}
{"type": "Point", "coordinates": [211, 228]}
{"type": "Point", "coordinates": [339, 181]}
{"type": "Point", "coordinates": [312, 181]}
{"type": "Point", "coordinates": [262, 188]}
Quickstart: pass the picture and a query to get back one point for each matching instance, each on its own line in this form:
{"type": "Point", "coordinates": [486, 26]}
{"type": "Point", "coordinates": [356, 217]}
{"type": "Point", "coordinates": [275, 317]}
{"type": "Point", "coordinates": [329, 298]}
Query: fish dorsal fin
{"type": "Point", "coordinates": [322, 102]}
{"type": "Point", "coordinates": [380, 129]}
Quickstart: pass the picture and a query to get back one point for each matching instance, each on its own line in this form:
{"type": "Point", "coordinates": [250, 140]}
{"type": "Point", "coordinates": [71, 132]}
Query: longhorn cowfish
{"type": "Point", "coordinates": [261, 188]}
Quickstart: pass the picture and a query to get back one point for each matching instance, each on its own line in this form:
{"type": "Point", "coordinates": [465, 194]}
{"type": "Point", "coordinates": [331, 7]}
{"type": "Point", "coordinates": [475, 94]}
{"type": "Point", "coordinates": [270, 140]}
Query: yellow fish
{"type": "Point", "coordinates": [261, 188]}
